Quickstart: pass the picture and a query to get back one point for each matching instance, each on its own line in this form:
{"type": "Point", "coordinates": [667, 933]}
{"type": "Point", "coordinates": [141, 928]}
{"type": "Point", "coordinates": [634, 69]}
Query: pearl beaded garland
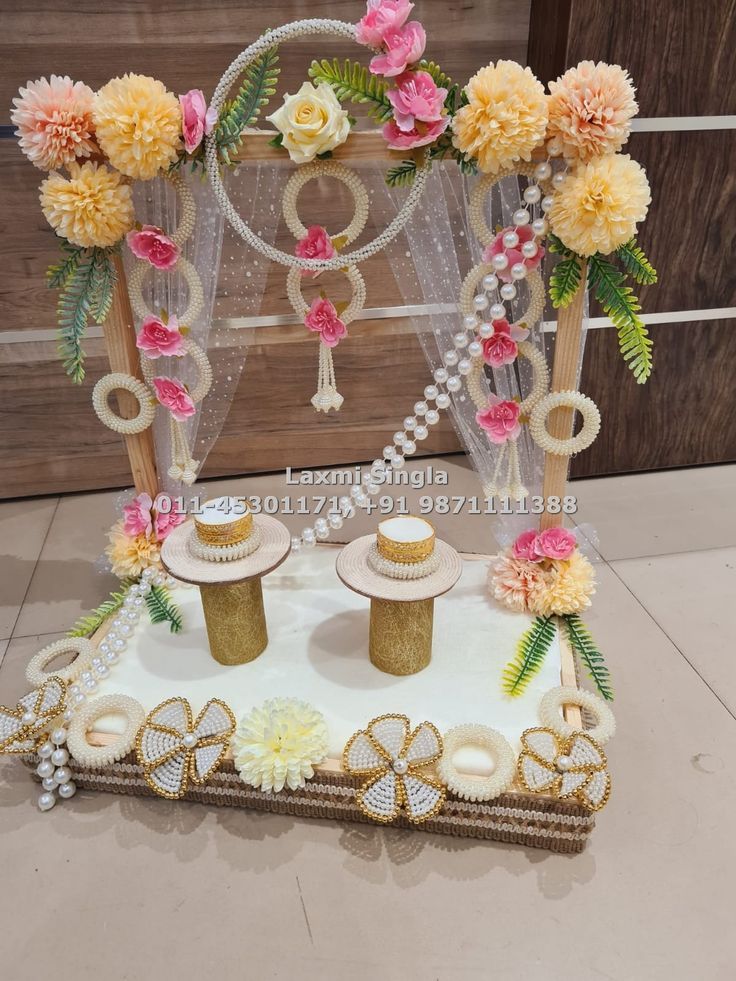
{"type": "Point", "coordinates": [353, 309]}
{"type": "Point", "coordinates": [572, 400]}
{"type": "Point", "coordinates": [402, 570]}
{"type": "Point", "coordinates": [201, 362]}
{"type": "Point", "coordinates": [325, 168]}
{"type": "Point", "coordinates": [83, 649]}
{"type": "Point", "coordinates": [146, 407]}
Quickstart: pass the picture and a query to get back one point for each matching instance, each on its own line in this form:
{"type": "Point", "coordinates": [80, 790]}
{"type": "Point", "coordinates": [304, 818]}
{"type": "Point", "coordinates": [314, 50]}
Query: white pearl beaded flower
{"type": "Point", "coordinates": [172, 749]}
{"type": "Point", "coordinates": [23, 727]}
{"type": "Point", "coordinates": [575, 766]}
{"type": "Point", "coordinates": [393, 756]}
{"type": "Point", "coordinates": [97, 756]}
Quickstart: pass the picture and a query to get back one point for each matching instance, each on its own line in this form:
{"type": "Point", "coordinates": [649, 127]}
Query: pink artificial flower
{"type": "Point", "coordinates": [196, 119]}
{"type": "Point", "coordinates": [323, 319]}
{"type": "Point", "coordinates": [500, 420]}
{"type": "Point", "coordinates": [513, 255]}
{"type": "Point", "coordinates": [381, 17]}
{"type": "Point", "coordinates": [402, 46]}
{"type": "Point", "coordinates": [416, 98]}
{"type": "Point", "coordinates": [316, 244]}
{"type": "Point", "coordinates": [165, 521]}
{"type": "Point", "coordinates": [157, 339]}
{"type": "Point", "coordinates": [502, 346]}
{"type": "Point", "coordinates": [524, 546]}
{"type": "Point", "coordinates": [555, 543]}
{"type": "Point", "coordinates": [420, 135]}
{"type": "Point", "coordinates": [154, 245]}
{"type": "Point", "coordinates": [137, 516]}
{"type": "Point", "coordinates": [174, 396]}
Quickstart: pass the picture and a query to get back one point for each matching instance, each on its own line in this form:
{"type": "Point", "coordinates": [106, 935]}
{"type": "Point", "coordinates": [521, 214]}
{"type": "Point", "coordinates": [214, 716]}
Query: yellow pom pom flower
{"type": "Point", "coordinates": [91, 207]}
{"type": "Point", "coordinates": [505, 118]}
{"type": "Point", "coordinates": [138, 125]}
{"type": "Point", "coordinates": [598, 205]}
{"type": "Point", "coordinates": [130, 556]}
{"type": "Point", "coordinates": [567, 590]}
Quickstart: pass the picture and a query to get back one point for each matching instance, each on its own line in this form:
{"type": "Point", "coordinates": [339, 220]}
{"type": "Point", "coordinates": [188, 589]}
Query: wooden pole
{"type": "Point", "coordinates": [119, 332]}
{"type": "Point", "coordinates": [564, 378]}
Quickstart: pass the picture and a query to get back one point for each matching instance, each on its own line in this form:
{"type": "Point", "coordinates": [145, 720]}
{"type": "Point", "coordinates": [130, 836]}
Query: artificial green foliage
{"type": "Point", "coordinates": [531, 651]}
{"type": "Point", "coordinates": [439, 77]}
{"type": "Point", "coordinates": [636, 264]}
{"type": "Point", "coordinates": [258, 85]}
{"type": "Point", "coordinates": [89, 624]}
{"type": "Point", "coordinates": [564, 281]}
{"type": "Point", "coordinates": [556, 246]}
{"type": "Point", "coordinates": [621, 305]}
{"type": "Point", "coordinates": [352, 81]}
{"type": "Point", "coordinates": [87, 279]}
{"type": "Point", "coordinates": [402, 175]}
{"type": "Point", "coordinates": [584, 646]}
{"type": "Point", "coordinates": [162, 609]}
{"type": "Point", "coordinates": [60, 273]}
{"type": "Point", "coordinates": [444, 147]}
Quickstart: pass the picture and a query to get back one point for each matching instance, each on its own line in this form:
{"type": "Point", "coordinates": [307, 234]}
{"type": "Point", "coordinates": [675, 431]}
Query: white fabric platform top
{"type": "Point", "coordinates": [318, 651]}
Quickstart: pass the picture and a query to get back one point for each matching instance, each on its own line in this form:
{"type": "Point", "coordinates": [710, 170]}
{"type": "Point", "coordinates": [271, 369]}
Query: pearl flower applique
{"type": "Point", "coordinates": [278, 744]}
{"type": "Point", "coordinates": [575, 766]}
{"type": "Point", "coordinates": [393, 756]}
{"type": "Point", "coordinates": [172, 749]}
{"type": "Point", "coordinates": [22, 728]}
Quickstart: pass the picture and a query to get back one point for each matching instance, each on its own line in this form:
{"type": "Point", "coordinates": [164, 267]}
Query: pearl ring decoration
{"type": "Point", "coordinates": [83, 650]}
{"type": "Point", "coordinates": [537, 192]}
{"type": "Point", "coordinates": [326, 168]}
{"type": "Point", "coordinates": [97, 756]}
{"type": "Point", "coordinates": [550, 713]}
{"type": "Point", "coordinates": [353, 309]}
{"type": "Point", "coordinates": [297, 29]}
{"type": "Point", "coordinates": [477, 788]}
{"type": "Point", "coordinates": [146, 406]}
{"type": "Point", "coordinates": [572, 400]}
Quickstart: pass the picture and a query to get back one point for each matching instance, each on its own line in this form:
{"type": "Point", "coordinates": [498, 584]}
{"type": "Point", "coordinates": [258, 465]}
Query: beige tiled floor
{"type": "Point", "coordinates": [119, 888]}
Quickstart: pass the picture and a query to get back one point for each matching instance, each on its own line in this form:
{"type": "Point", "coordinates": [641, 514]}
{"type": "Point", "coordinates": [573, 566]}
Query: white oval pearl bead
{"type": "Point", "coordinates": [547, 202]}
{"type": "Point", "coordinates": [320, 524]}
{"type": "Point", "coordinates": [45, 769]}
{"type": "Point", "coordinates": [409, 447]}
{"type": "Point", "coordinates": [335, 520]}
{"type": "Point", "coordinates": [397, 461]}
{"type": "Point", "coordinates": [454, 383]}
{"type": "Point", "coordinates": [498, 310]}
{"type": "Point", "coordinates": [499, 261]}
{"type": "Point", "coordinates": [490, 282]}
{"type": "Point", "coordinates": [119, 644]}
{"type": "Point", "coordinates": [470, 321]}
{"type": "Point", "coordinates": [510, 240]}
{"type": "Point", "coordinates": [443, 401]}
{"type": "Point", "coordinates": [63, 774]}
{"type": "Point", "coordinates": [45, 750]}
{"type": "Point", "coordinates": [399, 438]}
{"type": "Point", "coordinates": [486, 330]}
{"type": "Point", "coordinates": [543, 171]}
{"type": "Point", "coordinates": [190, 740]}
{"type": "Point", "coordinates": [112, 657]}
{"type": "Point", "coordinates": [421, 432]}
{"type": "Point", "coordinates": [60, 757]}
{"type": "Point", "coordinates": [559, 179]}
{"type": "Point", "coordinates": [480, 301]}
{"type": "Point", "coordinates": [440, 376]}
{"type": "Point", "coordinates": [518, 271]}
{"type": "Point", "coordinates": [464, 367]}
{"type": "Point", "coordinates": [508, 291]}
{"type": "Point", "coordinates": [539, 226]}
{"type": "Point", "coordinates": [450, 358]}
{"type": "Point", "coordinates": [420, 408]}
{"type": "Point", "coordinates": [475, 348]}
{"type": "Point", "coordinates": [409, 423]}
{"type": "Point", "coordinates": [461, 339]}
{"type": "Point", "coordinates": [529, 250]}
{"type": "Point", "coordinates": [521, 217]}
{"type": "Point", "coordinates": [28, 718]}
{"type": "Point", "coordinates": [431, 392]}
{"type": "Point", "coordinates": [532, 194]}
{"type": "Point", "coordinates": [308, 535]}
{"type": "Point", "coordinates": [59, 735]}
{"type": "Point", "coordinates": [433, 417]}
{"type": "Point", "coordinates": [48, 783]}
{"type": "Point", "coordinates": [296, 544]}
{"type": "Point", "coordinates": [388, 450]}
{"type": "Point", "coordinates": [400, 766]}
{"type": "Point", "coordinates": [46, 801]}
{"type": "Point", "coordinates": [68, 789]}
{"type": "Point", "coordinates": [125, 630]}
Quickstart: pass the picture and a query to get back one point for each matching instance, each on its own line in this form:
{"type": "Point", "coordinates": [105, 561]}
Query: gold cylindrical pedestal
{"type": "Point", "coordinates": [236, 620]}
{"type": "Point", "coordinates": [400, 640]}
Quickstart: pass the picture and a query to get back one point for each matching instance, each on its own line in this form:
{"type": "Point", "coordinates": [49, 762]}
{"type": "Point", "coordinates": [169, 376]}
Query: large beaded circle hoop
{"type": "Point", "coordinates": [477, 788]}
{"type": "Point", "coordinates": [90, 755]}
{"type": "Point", "coordinates": [570, 400]}
{"type": "Point", "coordinates": [540, 379]}
{"type": "Point", "coordinates": [550, 713]}
{"type": "Point", "coordinates": [297, 29]}
{"type": "Point", "coordinates": [146, 407]}
{"type": "Point", "coordinates": [301, 307]}
{"type": "Point", "coordinates": [202, 363]}
{"type": "Point", "coordinates": [194, 286]}
{"type": "Point", "coordinates": [326, 168]}
{"type": "Point", "coordinates": [484, 270]}
{"type": "Point", "coordinates": [82, 649]}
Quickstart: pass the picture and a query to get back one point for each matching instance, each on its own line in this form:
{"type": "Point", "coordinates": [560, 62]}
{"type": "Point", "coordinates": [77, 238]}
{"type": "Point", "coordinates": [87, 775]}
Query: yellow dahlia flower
{"type": "Point", "coordinates": [130, 556]}
{"type": "Point", "coordinates": [91, 207]}
{"type": "Point", "coordinates": [567, 590]}
{"type": "Point", "coordinates": [599, 203]}
{"type": "Point", "coordinates": [505, 119]}
{"type": "Point", "coordinates": [138, 125]}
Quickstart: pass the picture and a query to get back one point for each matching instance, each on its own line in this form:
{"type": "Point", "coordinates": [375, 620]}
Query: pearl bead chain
{"type": "Point", "coordinates": [298, 29]}
{"type": "Point", "coordinates": [188, 208]}
{"type": "Point", "coordinates": [55, 775]}
{"type": "Point", "coordinates": [325, 168]}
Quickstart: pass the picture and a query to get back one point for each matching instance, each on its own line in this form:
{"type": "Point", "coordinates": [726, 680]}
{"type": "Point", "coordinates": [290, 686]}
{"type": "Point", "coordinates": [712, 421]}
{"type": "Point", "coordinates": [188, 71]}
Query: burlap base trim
{"type": "Point", "coordinates": [525, 819]}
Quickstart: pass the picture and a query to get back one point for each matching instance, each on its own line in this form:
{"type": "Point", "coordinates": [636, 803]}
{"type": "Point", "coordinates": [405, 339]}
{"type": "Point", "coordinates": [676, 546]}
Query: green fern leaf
{"type": "Point", "coordinates": [531, 651]}
{"type": "Point", "coordinates": [556, 246]}
{"type": "Point", "coordinates": [584, 646]}
{"type": "Point", "coordinates": [440, 78]}
{"type": "Point", "coordinates": [73, 310]}
{"type": "Point", "coordinates": [402, 174]}
{"type": "Point", "coordinates": [60, 273]}
{"type": "Point", "coordinates": [352, 81]}
{"type": "Point", "coordinates": [102, 285]}
{"type": "Point", "coordinates": [91, 622]}
{"type": "Point", "coordinates": [162, 609]}
{"type": "Point", "coordinates": [564, 281]}
{"type": "Point", "coordinates": [258, 85]}
{"type": "Point", "coordinates": [622, 307]}
{"type": "Point", "coordinates": [637, 265]}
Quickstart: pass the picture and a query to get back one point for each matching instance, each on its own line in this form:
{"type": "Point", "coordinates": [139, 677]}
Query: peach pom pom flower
{"type": "Point", "coordinates": [505, 118]}
{"type": "Point", "coordinates": [54, 121]}
{"type": "Point", "coordinates": [590, 111]}
{"type": "Point", "coordinates": [130, 556]}
{"type": "Point", "coordinates": [512, 580]}
{"type": "Point", "coordinates": [92, 208]}
{"type": "Point", "coordinates": [598, 205]}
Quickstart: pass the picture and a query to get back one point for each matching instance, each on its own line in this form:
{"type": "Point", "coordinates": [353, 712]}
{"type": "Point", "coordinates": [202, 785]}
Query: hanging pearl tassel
{"type": "Point", "coordinates": [512, 487]}
{"type": "Point", "coordinates": [183, 467]}
{"type": "Point", "coordinates": [327, 396]}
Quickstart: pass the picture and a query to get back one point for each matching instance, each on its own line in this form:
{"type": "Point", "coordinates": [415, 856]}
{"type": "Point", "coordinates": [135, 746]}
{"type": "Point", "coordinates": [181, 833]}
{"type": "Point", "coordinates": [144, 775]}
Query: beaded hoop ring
{"type": "Point", "coordinates": [225, 553]}
{"type": "Point", "coordinates": [84, 649]}
{"type": "Point", "coordinates": [550, 713]}
{"type": "Point", "coordinates": [477, 788]}
{"type": "Point", "coordinates": [190, 274]}
{"type": "Point", "coordinates": [188, 210]}
{"type": "Point", "coordinates": [402, 570]}
{"type": "Point", "coordinates": [572, 400]}
{"type": "Point", "coordinates": [297, 29]}
{"type": "Point", "coordinates": [301, 307]}
{"type": "Point", "coordinates": [96, 756]}
{"type": "Point", "coordinates": [146, 408]}
{"type": "Point", "coordinates": [325, 168]}
{"type": "Point", "coordinates": [540, 379]}
{"type": "Point", "coordinates": [484, 186]}
{"type": "Point", "coordinates": [537, 295]}
{"type": "Point", "coordinates": [202, 363]}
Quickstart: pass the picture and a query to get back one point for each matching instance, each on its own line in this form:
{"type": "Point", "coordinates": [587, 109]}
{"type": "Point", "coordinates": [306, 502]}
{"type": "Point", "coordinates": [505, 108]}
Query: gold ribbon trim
{"type": "Point", "coordinates": [405, 552]}
{"type": "Point", "coordinates": [231, 533]}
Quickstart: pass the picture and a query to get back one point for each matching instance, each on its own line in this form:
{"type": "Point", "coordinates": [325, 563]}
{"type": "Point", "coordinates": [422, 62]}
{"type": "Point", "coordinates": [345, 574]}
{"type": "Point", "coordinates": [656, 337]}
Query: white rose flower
{"type": "Point", "coordinates": [311, 122]}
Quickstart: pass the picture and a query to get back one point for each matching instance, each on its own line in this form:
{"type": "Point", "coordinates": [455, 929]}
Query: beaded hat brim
{"type": "Point", "coordinates": [178, 559]}
{"type": "Point", "coordinates": [353, 569]}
